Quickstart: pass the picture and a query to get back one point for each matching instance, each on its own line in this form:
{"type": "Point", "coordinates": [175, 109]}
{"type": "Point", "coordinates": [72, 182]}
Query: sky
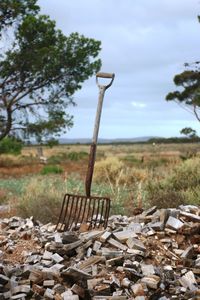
{"type": "Point", "coordinates": [145, 43]}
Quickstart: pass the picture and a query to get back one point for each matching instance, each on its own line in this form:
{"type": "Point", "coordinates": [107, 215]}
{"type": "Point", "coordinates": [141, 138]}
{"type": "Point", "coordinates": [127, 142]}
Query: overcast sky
{"type": "Point", "coordinates": [145, 43]}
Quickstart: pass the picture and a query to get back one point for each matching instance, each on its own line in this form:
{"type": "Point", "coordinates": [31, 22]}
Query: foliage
{"type": "Point", "coordinates": [51, 169]}
{"type": "Point", "coordinates": [64, 157]}
{"type": "Point", "coordinates": [13, 11]}
{"type": "Point", "coordinates": [42, 199]}
{"type": "Point", "coordinates": [177, 186]}
{"type": "Point", "coordinates": [40, 71]}
{"type": "Point", "coordinates": [42, 196]}
{"type": "Point", "coordinates": [75, 156]}
{"type": "Point", "coordinates": [11, 145]}
{"type": "Point", "coordinates": [52, 143]}
{"type": "Point", "coordinates": [190, 133]}
{"type": "Point", "coordinates": [189, 94]}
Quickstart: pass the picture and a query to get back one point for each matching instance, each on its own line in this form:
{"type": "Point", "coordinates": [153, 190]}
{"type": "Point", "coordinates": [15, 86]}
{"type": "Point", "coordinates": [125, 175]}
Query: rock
{"type": "Point", "coordinates": [188, 253]}
{"type": "Point", "coordinates": [76, 273]}
{"type": "Point", "coordinates": [189, 281]}
{"type": "Point", "coordinates": [57, 258]}
{"type": "Point", "coordinates": [124, 235]}
{"type": "Point", "coordinates": [147, 269]}
{"type": "Point", "coordinates": [154, 255]}
{"type": "Point", "coordinates": [3, 279]}
{"type": "Point", "coordinates": [105, 236]}
{"type": "Point", "coordinates": [78, 290]}
{"type": "Point", "coordinates": [151, 281]}
{"type": "Point", "coordinates": [49, 294]}
{"type": "Point", "coordinates": [174, 223]}
{"type": "Point", "coordinates": [117, 244]}
{"type": "Point", "coordinates": [134, 243]}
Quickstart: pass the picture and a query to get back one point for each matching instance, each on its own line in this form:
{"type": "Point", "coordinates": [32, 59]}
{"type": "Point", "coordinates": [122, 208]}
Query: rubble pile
{"type": "Point", "coordinates": [154, 255]}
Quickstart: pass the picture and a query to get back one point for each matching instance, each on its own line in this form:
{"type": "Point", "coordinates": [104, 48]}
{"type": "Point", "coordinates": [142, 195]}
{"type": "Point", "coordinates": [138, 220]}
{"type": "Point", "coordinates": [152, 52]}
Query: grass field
{"type": "Point", "coordinates": [138, 175]}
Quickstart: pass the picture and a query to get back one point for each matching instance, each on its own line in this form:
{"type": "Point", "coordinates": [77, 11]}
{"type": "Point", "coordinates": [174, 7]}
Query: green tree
{"type": "Point", "coordinates": [12, 11]}
{"type": "Point", "coordinates": [189, 132]}
{"type": "Point", "coordinates": [40, 71]}
{"type": "Point", "coordinates": [189, 93]}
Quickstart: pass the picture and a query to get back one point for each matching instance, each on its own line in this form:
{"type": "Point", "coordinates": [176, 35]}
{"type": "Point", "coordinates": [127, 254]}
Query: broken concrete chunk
{"type": "Point", "coordinates": [188, 252]}
{"type": "Point", "coordinates": [151, 281]}
{"type": "Point", "coordinates": [192, 217]}
{"type": "Point", "coordinates": [3, 279]}
{"type": "Point", "coordinates": [57, 258]}
{"type": "Point", "coordinates": [158, 226]}
{"type": "Point", "coordinates": [188, 281]}
{"type": "Point", "coordinates": [111, 264]}
{"type": "Point", "coordinates": [125, 282]}
{"type": "Point", "coordinates": [174, 223]}
{"type": "Point", "coordinates": [91, 283]}
{"type": "Point", "coordinates": [48, 283]}
{"type": "Point", "coordinates": [147, 269]}
{"type": "Point", "coordinates": [117, 244]}
{"type": "Point", "coordinates": [134, 243]}
{"type": "Point", "coordinates": [76, 289]}
{"type": "Point", "coordinates": [20, 296]}
{"type": "Point", "coordinates": [105, 236]}
{"type": "Point", "coordinates": [137, 289]}
{"type": "Point", "coordinates": [124, 235]}
{"type": "Point", "coordinates": [91, 261]}
{"type": "Point", "coordinates": [72, 297]}
{"type": "Point", "coordinates": [76, 273]}
{"type": "Point", "coordinates": [49, 294]}
{"type": "Point", "coordinates": [96, 246]}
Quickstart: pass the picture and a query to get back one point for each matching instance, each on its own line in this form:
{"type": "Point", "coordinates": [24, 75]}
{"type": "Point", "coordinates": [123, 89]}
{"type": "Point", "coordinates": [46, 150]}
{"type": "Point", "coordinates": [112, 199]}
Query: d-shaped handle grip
{"type": "Point", "coordinates": [105, 75]}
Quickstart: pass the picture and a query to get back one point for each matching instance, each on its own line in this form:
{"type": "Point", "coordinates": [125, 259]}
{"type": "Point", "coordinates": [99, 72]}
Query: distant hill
{"type": "Point", "coordinates": [105, 141]}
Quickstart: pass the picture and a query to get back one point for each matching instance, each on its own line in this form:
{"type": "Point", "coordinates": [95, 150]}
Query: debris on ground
{"type": "Point", "coordinates": [153, 255]}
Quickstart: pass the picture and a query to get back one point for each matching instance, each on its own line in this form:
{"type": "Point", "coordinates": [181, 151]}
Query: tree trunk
{"type": "Point", "coordinates": [8, 125]}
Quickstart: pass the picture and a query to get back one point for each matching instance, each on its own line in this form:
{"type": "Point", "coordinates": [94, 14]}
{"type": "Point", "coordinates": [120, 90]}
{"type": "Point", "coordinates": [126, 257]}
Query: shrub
{"type": "Point", "coordinates": [10, 145]}
{"type": "Point", "coordinates": [51, 169]}
{"type": "Point", "coordinates": [114, 171]}
{"type": "Point", "coordinates": [75, 156]}
{"type": "Point", "coordinates": [42, 199]}
{"type": "Point", "coordinates": [55, 159]}
{"type": "Point", "coordinates": [180, 186]}
{"type": "Point", "coordinates": [108, 169]}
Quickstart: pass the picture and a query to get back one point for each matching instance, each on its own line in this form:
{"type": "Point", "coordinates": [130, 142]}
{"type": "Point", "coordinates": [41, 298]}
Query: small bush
{"type": "Point", "coordinates": [108, 169]}
{"type": "Point", "coordinates": [114, 171]}
{"type": "Point", "coordinates": [75, 156]}
{"type": "Point", "coordinates": [10, 145]}
{"type": "Point", "coordinates": [51, 169]}
{"type": "Point", "coordinates": [42, 199]}
{"type": "Point", "coordinates": [55, 159]}
{"type": "Point", "coordinates": [180, 186]}
{"type": "Point", "coordinates": [3, 196]}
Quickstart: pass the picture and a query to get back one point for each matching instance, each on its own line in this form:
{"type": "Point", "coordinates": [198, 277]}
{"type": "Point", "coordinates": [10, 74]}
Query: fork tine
{"type": "Point", "coordinates": [101, 213]}
{"type": "Point", "coordinates": [78, 209]}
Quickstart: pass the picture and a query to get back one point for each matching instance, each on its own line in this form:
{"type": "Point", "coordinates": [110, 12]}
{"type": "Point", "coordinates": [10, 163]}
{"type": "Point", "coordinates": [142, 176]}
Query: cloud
{"type": "Point", "coordinates": [138, 105]}
{"type": "Point", "coordinates": [145, 43]}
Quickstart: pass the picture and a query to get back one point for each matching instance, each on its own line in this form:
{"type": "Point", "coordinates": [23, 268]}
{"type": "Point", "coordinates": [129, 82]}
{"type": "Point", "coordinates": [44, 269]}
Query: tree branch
{"type": "Point", "coordinates": [196, 113]}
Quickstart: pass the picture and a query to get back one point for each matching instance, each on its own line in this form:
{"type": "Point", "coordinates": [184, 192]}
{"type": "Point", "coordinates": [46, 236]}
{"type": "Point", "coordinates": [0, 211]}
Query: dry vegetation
{"type": "Point", "coordinates": [132, 176]}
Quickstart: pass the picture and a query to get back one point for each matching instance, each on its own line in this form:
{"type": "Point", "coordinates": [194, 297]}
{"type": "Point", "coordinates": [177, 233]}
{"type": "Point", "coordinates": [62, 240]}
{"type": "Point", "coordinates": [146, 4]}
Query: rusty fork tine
{"type": "Point", "coordinates": [101, 213]}
{"type": "Point", "coordinates": [73, 213]}
{"type": "Point", "coordinates": [59, 219]}
{"type": "Point", "coordinates": [84, 208]}
{"type": "Point", "coordinates": [93, 209]}
{"type": "Point", "coordinates": [79, 211]}
{"type": "Point", "coordinates": [97, 212]}
{"type": "Point", "coordinates": [70, 212]}
{"type": "Point", "coordinates": [107, 212]}
{"type": "Point", "coordinates": [88, 213]}
{"type": "Point", "coordinates": [66, 211]}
